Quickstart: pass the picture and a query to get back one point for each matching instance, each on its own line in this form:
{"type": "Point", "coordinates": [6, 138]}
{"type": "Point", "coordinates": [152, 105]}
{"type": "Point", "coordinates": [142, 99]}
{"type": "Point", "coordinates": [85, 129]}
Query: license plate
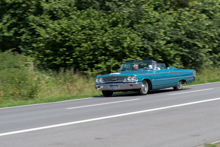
{"type": "Point", "coordinates": [113, 86]}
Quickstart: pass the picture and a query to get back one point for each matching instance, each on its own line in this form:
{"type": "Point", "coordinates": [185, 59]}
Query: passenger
{"type": "Point", "coordinates": [150, 67]}
{"type": "Point", "coordinates": [154, 64]}
{"type": "Point", "coordinates": [158, 68]}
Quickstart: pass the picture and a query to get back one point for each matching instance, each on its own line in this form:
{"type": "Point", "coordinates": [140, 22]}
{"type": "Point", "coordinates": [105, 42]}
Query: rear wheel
{"type": "Point", "coordinates": [179, 86]}
{"type": "Point", "coordinates": [144, 88]}
{"type": "Point", "coordinates": [107, 93]}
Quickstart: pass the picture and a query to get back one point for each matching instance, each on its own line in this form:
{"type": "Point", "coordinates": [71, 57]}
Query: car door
{"type": "Point", "coordinates": [161, 79]}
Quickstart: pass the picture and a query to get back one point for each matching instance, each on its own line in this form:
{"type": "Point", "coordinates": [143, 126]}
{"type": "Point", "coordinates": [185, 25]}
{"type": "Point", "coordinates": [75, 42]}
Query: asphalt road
{"type": "Point", "coordinates": [163, 118]}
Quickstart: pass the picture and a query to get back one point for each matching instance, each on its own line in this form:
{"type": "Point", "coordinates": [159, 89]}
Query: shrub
{"type": "Point", "coordinates": [16, 81]}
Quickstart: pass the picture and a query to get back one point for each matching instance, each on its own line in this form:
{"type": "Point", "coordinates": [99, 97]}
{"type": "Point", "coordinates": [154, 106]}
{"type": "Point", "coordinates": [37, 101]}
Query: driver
{"type": "Point", "coordinates": [135, 66]}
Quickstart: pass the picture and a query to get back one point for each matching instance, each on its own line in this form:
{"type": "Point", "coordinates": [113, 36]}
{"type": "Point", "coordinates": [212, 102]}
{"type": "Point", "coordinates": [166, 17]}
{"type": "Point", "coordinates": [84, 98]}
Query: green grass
{"type": "Point", "coordinates": [207, 75]}
{"type": "Point", "coordinates": [22, 84]}
{"type": "Point", "coordinates": [24, 87]}
{"type": "Point", "coordinates": [205, 144]}
{"type": "Point", "coordinates": [212, 145]}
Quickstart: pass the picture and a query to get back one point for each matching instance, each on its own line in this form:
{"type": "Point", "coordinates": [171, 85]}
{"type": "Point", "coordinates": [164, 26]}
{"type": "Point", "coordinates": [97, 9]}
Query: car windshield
{"type": "Point", "coordinates": [161, 65]}
{"type": "Point", "coordinates": [138, 65]}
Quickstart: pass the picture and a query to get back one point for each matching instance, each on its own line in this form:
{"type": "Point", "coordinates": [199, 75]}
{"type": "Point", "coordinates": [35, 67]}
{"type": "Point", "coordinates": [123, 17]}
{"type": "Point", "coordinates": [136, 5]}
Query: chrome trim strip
{"type": "Point", "coordinates": [121, 86]}
{"type": "Point", "coordinates": [153, 74]}
{"type": "Point", "coordinates": [164, 73]}
{"type": "Point", "coordinates": [173, 78]}
{"type": "Point", "coordinates": [181, 71]}
{"type": "Point", "coordinates": [101, 84]}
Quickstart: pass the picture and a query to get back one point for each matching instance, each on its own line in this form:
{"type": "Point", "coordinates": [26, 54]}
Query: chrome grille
{"type": "Point", "coordinates": [115, 79]}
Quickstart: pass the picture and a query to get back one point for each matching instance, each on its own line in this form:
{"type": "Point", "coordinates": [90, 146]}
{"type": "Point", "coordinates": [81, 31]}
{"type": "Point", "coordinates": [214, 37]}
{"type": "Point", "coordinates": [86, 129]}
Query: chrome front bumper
{"type": "Point", "coordinates": [118, 86]}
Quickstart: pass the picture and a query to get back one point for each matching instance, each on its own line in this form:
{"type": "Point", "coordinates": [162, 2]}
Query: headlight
{"type": "Point", "coordinates": [97, 80]}
{"type": "Point", "coordinates": [134, 78]}
{"type": "Point", "coordinates": [131, 78]}
{"type": "Point", "coordinates": [101, 80]}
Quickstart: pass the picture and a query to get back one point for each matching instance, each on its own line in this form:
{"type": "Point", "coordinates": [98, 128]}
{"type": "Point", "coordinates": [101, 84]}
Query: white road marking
{"type": "Point", "coordinates": [191, 91]}
{"type": "Point", "coordinates": [103, 104]}
{"type": "Point", "coordinates": [106, 117]}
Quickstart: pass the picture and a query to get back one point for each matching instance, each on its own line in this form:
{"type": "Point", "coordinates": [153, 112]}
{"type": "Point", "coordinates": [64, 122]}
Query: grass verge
{"type": "Point", "coordinates": [47, 100]}
{"type": "Point", "coordinates": [212, 145]}
{"type": "Point", "coordinates": [207, 76]}
{"type": "Point", "coordinates": [205, 144]}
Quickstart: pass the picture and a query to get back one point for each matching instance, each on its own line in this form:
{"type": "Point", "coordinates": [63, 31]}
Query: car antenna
{"type": "Point", "coordinates": [111, 65]}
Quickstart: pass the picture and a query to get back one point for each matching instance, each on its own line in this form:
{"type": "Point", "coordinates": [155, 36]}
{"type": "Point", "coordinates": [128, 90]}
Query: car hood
{"type": "Point", "coordinates": [127, 73]}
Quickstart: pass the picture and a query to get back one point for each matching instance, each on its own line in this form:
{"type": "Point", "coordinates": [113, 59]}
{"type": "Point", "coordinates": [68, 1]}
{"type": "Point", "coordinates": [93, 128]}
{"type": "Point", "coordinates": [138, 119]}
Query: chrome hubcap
{"type": "Point", "coordinates": [179, 84]}
{"type": "Point", "coordinates": [144, 87]}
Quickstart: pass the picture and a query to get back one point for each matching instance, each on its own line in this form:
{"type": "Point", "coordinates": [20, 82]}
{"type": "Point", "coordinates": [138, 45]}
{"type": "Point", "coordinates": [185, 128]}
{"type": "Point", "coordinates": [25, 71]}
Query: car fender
{"type": "Point", "coordinates": [140, 79]}
{"type": "Point", "coordinates": [182, 79]}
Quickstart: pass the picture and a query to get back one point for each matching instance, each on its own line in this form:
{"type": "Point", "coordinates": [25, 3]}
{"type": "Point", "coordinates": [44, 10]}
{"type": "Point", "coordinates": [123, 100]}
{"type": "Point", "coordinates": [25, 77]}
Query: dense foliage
{"type": "Point", "coordinates": [88, 34]}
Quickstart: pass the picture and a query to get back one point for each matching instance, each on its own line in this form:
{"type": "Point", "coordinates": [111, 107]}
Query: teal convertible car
{"type": "Point", "coordinates": [142, 76]}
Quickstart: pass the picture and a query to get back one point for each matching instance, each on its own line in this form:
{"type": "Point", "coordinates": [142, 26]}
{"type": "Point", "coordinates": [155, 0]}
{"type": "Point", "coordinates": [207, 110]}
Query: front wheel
{"type": "Point", "coordinates": [107, 93]}
{"type": "Point", "coordinates": [179, 86]}
{"type": "Point", "coordinates": [144, 88]}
